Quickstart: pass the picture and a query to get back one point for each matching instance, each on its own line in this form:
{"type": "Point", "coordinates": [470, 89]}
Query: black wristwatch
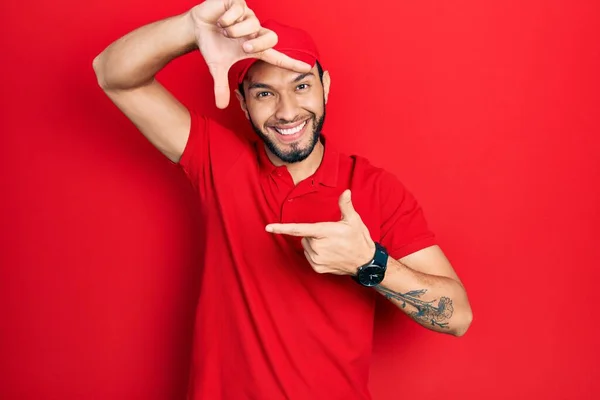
{"type": "Point", "coordinates": [372, 273]}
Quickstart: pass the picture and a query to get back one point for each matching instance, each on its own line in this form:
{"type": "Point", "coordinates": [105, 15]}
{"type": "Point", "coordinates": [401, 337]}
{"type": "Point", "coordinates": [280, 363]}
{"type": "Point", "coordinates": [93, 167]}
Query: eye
{"type": "Point", "coordinates": [263, 94]}
{"type": "Point", "coordinates": [302, 86]}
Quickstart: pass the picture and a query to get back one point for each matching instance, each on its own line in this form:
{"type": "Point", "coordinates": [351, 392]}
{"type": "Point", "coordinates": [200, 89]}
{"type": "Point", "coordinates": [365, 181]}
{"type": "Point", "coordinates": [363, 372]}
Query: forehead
{"type": "Point", "coordinates": [263, 72]}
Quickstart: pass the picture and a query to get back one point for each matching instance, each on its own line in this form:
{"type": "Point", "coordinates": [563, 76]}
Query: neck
{"type": "Point", "coordinates": [305, 168]}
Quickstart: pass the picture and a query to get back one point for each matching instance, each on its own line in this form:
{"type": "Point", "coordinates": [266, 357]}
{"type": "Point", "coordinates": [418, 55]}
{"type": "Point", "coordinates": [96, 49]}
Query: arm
{"type": "Point", "coordinates": [126, 69]}
{"type": "Point", "coordinates": [422, 284]}
{"type": "Point", "coordinates": [425, 286]}
{"type": "Point", "coordinates": [225, 31]}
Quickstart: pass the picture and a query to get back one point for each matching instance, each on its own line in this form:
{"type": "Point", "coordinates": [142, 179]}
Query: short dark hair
{"type": "Point", "coordinates": [319, 69]}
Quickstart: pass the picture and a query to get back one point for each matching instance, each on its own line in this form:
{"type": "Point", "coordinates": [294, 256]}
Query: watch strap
{"type": "Point", "coordinates": [381, 256]}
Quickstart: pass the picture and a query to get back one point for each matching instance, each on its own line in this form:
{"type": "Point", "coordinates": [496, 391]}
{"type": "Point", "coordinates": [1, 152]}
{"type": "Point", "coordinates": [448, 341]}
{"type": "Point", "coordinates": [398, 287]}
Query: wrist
{"type": "Point", "coordinates": [367, 256]}
{"type": "Point", "coordinates": [373, 272]}
{"type": "Point", "coordinates": [188, 26]}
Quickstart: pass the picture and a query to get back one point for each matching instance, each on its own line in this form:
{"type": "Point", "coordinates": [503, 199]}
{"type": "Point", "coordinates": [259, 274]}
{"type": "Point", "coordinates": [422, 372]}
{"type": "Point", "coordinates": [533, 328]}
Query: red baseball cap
{"type": "Point", "coordinates": [293, 42]}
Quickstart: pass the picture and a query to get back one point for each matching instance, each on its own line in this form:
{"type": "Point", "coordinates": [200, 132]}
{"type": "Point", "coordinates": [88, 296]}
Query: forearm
{"type": "Point", "coordinates": [134, 59]}
{"type": "Point", "coordinates": [437, 303]}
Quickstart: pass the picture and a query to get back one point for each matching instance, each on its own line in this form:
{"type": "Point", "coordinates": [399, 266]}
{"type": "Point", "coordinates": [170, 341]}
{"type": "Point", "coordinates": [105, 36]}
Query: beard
{"type": "Point", "coordinates": [297, 153]}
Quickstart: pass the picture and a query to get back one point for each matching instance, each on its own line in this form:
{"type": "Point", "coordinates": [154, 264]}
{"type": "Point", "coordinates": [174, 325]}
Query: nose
{"type": "Point", "coordinates": [287, 108]}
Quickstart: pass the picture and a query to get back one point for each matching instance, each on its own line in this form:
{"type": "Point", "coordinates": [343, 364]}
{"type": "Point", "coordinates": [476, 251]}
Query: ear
{"type": "Point", "coordinates": [326, 84]}
{"type": "Point", "coordinates": [243, 105]}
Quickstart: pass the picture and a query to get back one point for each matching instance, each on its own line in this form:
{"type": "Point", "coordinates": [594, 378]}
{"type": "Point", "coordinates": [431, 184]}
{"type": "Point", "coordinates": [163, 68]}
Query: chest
{"type": "Point", "coordinates": [245, 200]}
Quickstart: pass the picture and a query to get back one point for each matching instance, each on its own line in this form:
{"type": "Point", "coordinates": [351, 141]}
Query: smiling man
{"type": "Point", "coordinates": [290, 136]}
{"type": "Point", "coordinates": [300, 239]}
{"type": "Point", "coordinates": [290, 129]}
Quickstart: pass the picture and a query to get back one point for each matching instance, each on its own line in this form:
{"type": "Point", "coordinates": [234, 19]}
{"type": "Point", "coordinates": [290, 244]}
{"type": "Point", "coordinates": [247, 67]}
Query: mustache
{"type": "Point", "coordinates": [292, 121]}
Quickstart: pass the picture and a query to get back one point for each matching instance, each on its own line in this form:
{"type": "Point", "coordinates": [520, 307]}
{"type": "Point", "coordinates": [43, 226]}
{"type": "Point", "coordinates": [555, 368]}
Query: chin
{"type": "Point", "coordinates": [295, 151]}
{"type": "Point", "coordinates": [290, 156]}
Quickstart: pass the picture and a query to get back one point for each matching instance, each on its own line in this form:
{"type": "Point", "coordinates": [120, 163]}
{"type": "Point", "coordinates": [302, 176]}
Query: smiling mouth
{"type": "Point", "coordinates": [290, 130]}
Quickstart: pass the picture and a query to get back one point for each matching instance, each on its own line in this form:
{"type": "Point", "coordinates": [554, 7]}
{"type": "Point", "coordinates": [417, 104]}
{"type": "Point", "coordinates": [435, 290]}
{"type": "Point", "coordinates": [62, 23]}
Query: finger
{"type": "Point", "coordinates": [265, 40]}
{"type": "Point", "coordinates": [233, 14]}
{"type": "Point", "coordinates": [247, 27]}
{"type": "Point", "coordinates": [319, 268]}
{"type": "Point", "coordinates": [305, 230]}
{"type": "Point", "coordinates": [262, 47]}
{"type": "Point", "coordinates": [307, 247]}
{"type": "Point", "coordinates": [346, 207]}
{"type": "Point", "coordinates": [281, 60]}
{"type": "Point", "coordinates": [308, 251]}
{"type": "Point", "coordinates": [221, 85]}
{"type": "Point", "coordinates": [310, 261]}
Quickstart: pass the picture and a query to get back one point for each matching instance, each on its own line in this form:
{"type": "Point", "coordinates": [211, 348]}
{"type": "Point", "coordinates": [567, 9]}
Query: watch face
{"type": "Point", "coordinates": [371, 275]}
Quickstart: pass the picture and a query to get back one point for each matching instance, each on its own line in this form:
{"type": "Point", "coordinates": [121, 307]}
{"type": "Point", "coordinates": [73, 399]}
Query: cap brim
{"type": "Point", "coordinates": [299, 55]}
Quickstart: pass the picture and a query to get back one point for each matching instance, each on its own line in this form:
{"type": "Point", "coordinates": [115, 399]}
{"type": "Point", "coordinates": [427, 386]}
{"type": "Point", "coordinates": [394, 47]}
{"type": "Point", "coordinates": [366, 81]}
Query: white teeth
{"type": "Point", "coordinates": [291, 131]}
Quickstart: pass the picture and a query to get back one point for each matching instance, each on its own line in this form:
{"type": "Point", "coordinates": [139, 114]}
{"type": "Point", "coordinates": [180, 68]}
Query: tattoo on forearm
{"type": "Point", "coordinates": [426, 312]}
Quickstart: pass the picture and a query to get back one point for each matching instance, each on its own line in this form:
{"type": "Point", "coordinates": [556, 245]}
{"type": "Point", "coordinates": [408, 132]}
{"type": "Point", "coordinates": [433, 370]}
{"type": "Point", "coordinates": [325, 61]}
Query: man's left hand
{"type": "Point", "coordinates": [333, 247]}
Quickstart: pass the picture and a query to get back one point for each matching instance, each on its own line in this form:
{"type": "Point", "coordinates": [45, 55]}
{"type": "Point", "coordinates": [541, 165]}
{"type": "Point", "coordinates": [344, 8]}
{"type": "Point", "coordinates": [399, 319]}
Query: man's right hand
{"type": "Point", "coordinates": [126, 70]}
{"type": "Point", "coordinates": [227, 31]}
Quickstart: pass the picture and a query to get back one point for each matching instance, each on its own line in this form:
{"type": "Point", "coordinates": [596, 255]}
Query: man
{"type": "Point", "coordinates": [300, 239]}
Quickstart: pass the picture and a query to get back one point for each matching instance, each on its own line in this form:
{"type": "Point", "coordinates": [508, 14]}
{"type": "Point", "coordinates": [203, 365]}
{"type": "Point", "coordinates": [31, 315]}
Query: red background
{"type": "Point", "coordinates": [488, 111]}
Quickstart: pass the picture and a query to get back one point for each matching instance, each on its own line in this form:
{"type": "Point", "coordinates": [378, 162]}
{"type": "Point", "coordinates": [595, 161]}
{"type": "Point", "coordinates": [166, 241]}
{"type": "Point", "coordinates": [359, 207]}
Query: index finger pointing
{"type": "Point", "coordinates": [304, 230]}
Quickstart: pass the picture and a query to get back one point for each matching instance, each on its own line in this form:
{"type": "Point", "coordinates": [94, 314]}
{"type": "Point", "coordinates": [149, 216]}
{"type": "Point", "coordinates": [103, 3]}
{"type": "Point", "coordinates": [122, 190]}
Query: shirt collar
{"type": "Point", "coordinates": [327, 172]}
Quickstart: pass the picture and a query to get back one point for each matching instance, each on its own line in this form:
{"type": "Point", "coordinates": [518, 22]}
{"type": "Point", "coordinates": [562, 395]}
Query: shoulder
{"type": "Point", "coordinates": [211, 146]}
{"type": "Point", "coordinates": [400, 224]}
{"type": "Point", "coordinates": [370, 176]}
{"type": "Point", "coordinates": [384, 192]}
{"type": "Point", "coordinates": [215, 133]}
{"type": "Point", "coordinates": [203, 122]}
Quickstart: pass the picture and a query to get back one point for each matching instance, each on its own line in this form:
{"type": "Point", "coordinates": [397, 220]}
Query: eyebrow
{"type": "Point", "coordinates": [258, 85]}
{"type": "Point", "coordinates": [302, 76]}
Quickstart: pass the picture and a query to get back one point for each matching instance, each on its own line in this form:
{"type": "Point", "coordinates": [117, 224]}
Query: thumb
{"type": "Point", "coordinates": [221, 82]}
{"type": "Point", "coordinates": [346, 206]}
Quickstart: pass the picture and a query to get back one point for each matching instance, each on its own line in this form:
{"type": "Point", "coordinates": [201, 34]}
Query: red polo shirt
{"type": "Point", "coordinates": [268, 327]}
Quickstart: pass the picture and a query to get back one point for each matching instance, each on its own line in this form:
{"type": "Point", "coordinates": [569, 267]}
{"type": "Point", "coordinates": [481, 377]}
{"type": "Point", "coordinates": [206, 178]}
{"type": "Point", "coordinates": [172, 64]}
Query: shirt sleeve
{"type": "Point", "coordinates": [404, 229]}
{"type": "Point", "coordinates": [196, 152]}
{"type": "Point", "coordinates": [210, 151]}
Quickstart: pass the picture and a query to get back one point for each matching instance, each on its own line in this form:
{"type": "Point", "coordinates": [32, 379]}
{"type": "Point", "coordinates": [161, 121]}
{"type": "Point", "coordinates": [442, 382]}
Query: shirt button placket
{"type": "Point", "coordinates": [285, 209]}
